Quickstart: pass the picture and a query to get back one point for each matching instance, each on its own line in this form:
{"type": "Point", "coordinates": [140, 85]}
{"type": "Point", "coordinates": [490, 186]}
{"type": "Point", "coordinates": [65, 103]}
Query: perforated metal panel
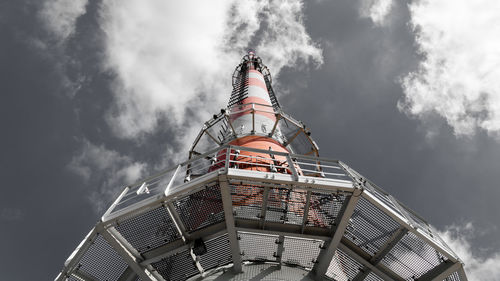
{"type": "Point", "coordinates": [247, 201]}
{"type": "Point", "coordinates": [301, 251]}
{"type": "Point", "coordinates": [102, 262]}
{"type": "Point", "coordinates": [150, 230]}
{"type": "Point", "coordinates": [412, 257]}
{"type": "Point", "coordinates": [370, 227]}
{"type": "Point", "coordinates": [218, 253]}
{"type": "Point", "coordinates": [343, 267]}
{"type": "Point", "coordinates": [177, 267]}
{"type": "Point", "coordinates": [201, 209]}
{"type": "Point", "coordinates": [324, 209]}
{"type": "Point", "coordinates": [260, 247]}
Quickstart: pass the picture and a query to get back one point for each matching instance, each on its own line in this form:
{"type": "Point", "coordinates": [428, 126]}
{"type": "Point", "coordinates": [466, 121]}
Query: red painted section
{"type": "Point", "coordinates": [259, 109]}
{"type": "Point", "coordinates": [255, 161]}
{"type": "Point", "coordinates": [256, 83]}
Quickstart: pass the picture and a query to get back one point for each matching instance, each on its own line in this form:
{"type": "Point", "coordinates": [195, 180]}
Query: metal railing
{"type": "Point", "coordinates": [220, 130]}
{"type": "Point", "coordinates": [218, 160]}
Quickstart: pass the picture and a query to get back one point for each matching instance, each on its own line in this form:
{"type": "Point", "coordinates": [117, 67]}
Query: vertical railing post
{"type": "Point", "coordinates": [291, 165]}
{"type": "Point", "coordinates": [110, 210]}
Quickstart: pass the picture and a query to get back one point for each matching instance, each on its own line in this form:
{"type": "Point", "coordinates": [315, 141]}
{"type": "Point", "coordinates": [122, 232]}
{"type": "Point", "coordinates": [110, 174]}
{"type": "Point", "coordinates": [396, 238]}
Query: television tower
{"type": "Point", "coordinates": [254, 201]}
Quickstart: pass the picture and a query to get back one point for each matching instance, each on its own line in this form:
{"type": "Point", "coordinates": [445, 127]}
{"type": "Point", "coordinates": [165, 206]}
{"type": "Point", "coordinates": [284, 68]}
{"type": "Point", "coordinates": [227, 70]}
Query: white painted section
{"type": "Point", "coordinates": [256, 91]}
{"type": "Point", "coordinates": [256, 75]}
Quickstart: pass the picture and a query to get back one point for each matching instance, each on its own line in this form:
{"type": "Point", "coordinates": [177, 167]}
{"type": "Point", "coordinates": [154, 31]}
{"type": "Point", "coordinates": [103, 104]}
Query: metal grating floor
{"type": "Point", "coordinates": [453, 277]}
{"type": "Point", "coordinates": [373, 277]}
{"type": "Point", "coordinates": [258, 247]}
{"type": "Point", "coordinates": [343, 267]}
{"type": "Point", "coordinates": [301, 251]}
{"type": "Point", "coordinates": [150, 230]}
{"type": "Point", "coordinates": [411, 257]}
{"type": "Point", "coordinates": [178, 267]}
{"type": "Point", "coordinates": [218, 253]}
{"type": "Point", "coordinates": [102, 262]}
{"type": "Point", "coordinates": [370, 227]}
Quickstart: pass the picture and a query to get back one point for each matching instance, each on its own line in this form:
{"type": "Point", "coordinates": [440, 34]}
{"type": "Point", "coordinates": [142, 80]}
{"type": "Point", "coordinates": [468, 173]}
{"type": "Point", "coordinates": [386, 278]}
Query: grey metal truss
{"type": "Point", "coordinates": [440, 272]}
{"type": "Point", "coordinates": [384, 250]}
{"type": "Point", "coordinates": [341, 224]}
{"type": "Point", "coordinates": [230, 226]}
{"type": "Point", "coordinates": [130, 255]}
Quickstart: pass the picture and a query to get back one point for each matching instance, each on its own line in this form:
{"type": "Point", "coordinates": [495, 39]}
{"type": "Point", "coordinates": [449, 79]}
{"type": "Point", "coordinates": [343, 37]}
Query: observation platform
{"type": "Point", "coordinates": [300, 217]}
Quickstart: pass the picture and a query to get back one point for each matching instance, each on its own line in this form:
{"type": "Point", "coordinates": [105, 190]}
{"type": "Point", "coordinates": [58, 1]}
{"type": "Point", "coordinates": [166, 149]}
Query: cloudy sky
{"type": "Point", "coordinates": [97, 94]}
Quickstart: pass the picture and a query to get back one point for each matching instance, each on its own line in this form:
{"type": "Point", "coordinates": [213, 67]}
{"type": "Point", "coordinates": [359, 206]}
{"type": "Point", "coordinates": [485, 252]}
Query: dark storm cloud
{"type": "Point", "coordinates": [350, 104]}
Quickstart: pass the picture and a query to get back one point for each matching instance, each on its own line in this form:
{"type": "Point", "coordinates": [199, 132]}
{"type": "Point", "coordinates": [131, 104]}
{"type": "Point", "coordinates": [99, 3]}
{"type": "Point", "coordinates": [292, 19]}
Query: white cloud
{"type": "Point", "coordinates": [60, 16]}
{"type": "Point", "coordinates": [171, 57]}
{"type": "Point", "coordinates": [107, 171]}
{"type": "Point", "coordinates": [477, 267]}
{"type": "Point", "coordinates": [458, 77]}
{"type": "Point", "coordinates": [376, 10]}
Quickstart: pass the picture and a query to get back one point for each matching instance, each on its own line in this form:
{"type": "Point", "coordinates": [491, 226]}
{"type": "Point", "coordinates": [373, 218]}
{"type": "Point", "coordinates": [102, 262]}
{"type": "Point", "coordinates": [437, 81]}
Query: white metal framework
{"type": "Point", "coordinates": [259, 205]}
{"type": "Point", "coordinates": [291, 133]}
{"type": "Point", "coordinates": [307, 218]}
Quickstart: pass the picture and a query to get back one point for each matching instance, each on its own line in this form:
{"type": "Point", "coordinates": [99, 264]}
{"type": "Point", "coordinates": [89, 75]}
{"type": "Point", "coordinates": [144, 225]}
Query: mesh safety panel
{"type": "Point", "coordinates": [258, 246]}
{"type": "Point", "coordinates": [370, 227]}
{"type": "Point", "coordinates": [150, 230]}
{"type": "Point", "coordinates": [201, 209]}
{"type": "Point", "coordinates": [102, 262]}
{"type": "Point", "coordinates": [343, 267]}
{"type": "Point", "coordinates": [373, 277]}
{"type": "Point", "coordinates": [177, 267]}
{"type": "Point", "coordinates": [302, 252]}
{"type": "Point", "coordinates": [453, 277]}
{"type": "Point", "coordinates": [324, 209]}
{"type": "Point", "coordinates": [247, 201]}
{"type": "Point", "coordinates": [412, 257]}
{"type": "Point", "coordinates": [285, 205]}
{"type": "Point", "coordinates": [218, 253]}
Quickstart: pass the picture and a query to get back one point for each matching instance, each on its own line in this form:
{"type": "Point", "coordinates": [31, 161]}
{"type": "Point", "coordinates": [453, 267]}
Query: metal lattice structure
{"type": "Point", "coordinates": [239, 212]}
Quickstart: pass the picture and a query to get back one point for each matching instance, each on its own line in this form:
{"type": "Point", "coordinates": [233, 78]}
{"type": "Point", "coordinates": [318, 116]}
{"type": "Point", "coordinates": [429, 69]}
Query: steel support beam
{"type": "Point", "coordinates": [382, 274]}
{"type": "Point", "coordinates": [213, 138]}
{"type": "Point", "coordinates": [227, 203]}
{"type": "Point", "coordinates": [281, 248]}
{"type": "Point", "coordinates": [83, 276]}
{"type": "Point", "coordinates": [461, 273]}
{"type": "Point", "coordinates": [326, 254]}
{"type": "Point", "coordinates": [440, 272]}
{"type": "Point", "coordinates": [263, 210]}
{"type": "Point", "coordinates": [291, 165]}
{"type": "Point", "coordinates": [128, 275]}
{"type": "Point", "coordinates": [128, 257]}
{"type": "Point", "coordinates": [278, 117]}
{"type": "Point", "coordinates": [287, 142]}
{"type": "Point", "coordinates": [306, 210]}
{"type": "Point", "coordinates": [177, 221]}
{"type": "Point", "coordinates": [384, 250]}
{"type": "Point", "coordinates": [231, 124]}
